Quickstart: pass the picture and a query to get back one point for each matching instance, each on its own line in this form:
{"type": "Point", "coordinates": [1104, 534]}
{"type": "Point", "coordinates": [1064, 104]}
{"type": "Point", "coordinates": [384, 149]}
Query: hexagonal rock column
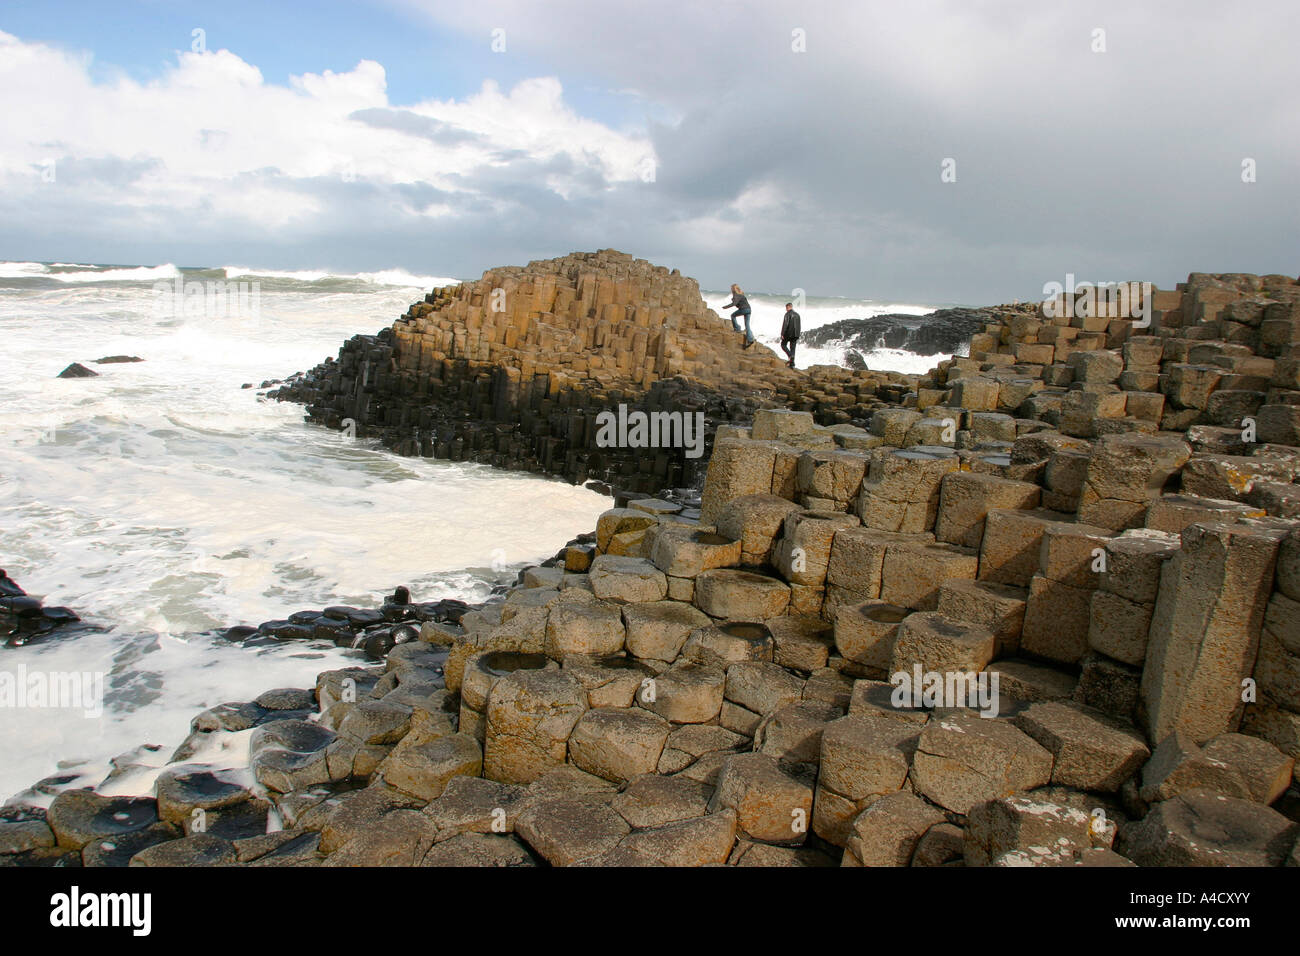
{"type": "Point", "coordinates": [1205, 629]}
{"type": "Point", "coordinates": [863, 756]}
{"type": "Point", "coordinates": [829, 480]}
{"type": "Point", "coordinates": [887, 832]}
{"type": "Point", "coordinates": [738, 467]}
{"type": "Point", "coordinates": [1277, 668]}
{"type": "Point", "coordinates": [617, 743]}
{"type": "Point", "coordinates": [1206, 829]}
{"type": "Point", "coordinates": [656, 630]}
{"type": "Point", "coordinates": [77, 817]}
{"type": "Point", "coordinates": [701, 842]}
{"type": "Point", "coordinates": [755, 689]}
{"type": "Point", "coordinates": [782, 424]}
{"type": "Point", "coordinates": [183, 789]}
{"type": "Point", "coordinates": [901, 489]}
{"type": "Point", "coordinates": [1012, 545]}
{"type": "Point", "coordinates": [685, 552]}
{"type": "Point", "coordinates": [530, 715]}
{"type": "Point", "coordinates": [914, 572]}
{"type": "Point", "coordinates": [965, 499]}
{"type": "Point", "coordinates": [725, 644]}
{"type": "Point", "coordinates": [756, 521]}
{"type": "Point", "coordinates": [793, 732]}
{"type": "Point", "coordinates": [857, 563]}
{"type": "Point", "coordinates": [425, 769]}
{"type": "Point", "coordinates": [740, 595]}
{"type": "Point", "coordinates": [962, 759]}
{"type": "Point", "coordinates": [804, 550]}
{"type": "Point", "coordinates": [865, 633]}
{"type": "Point", "coordinates": [619, 578]}
{"type": "Point", "coordinates": [939, 644]}
{"type": "Point", "coordinates": [771, 806]}
{"type": "Point", "coordinates": [595, 629]}
{"type": "Point", "coordinates": [802, 642]}
{"type": "Point", "coordinates": [998, 607]}
{"type": "Point", "coordinates": [290, 755]}
{"type": "Point", "coordinates": [686, 693]}
{"type": "Point", "coordinates": [620, 521]}
{"type": "Point", "coordinates": [1124, 474]}
{"type": "Point", "coordinates": [481, 672]}
{"type": "Point", "coordinates": [1173, 513]}
{"type": "Point", "coordinates": [1234, 765]}
{"type": "Point", "coordinates": [609, 681]}
{"type": "Point", "coordinates": [1027, 825]}
{"type": "Point", "coordinates": [1090, 751]}
{"type": "Point", "coordinates": [568, 830]}
{"type": "Point", "coordinates": [1120, 617]}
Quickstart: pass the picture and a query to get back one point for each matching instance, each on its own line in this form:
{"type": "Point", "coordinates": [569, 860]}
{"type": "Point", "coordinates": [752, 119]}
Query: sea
{"type": "Point", "coordinates": [164, 500]}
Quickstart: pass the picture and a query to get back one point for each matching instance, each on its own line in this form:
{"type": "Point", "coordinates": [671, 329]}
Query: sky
{"type": "Point", "coordinates": [935, 151]}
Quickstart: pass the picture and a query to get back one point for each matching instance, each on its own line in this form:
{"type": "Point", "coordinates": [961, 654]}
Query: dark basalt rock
{"type": "Point", "coordinates": [117, 359]}
{"type": "Point", "coordinates": [24, 619]}
{"type": "Point", "coordinates": [79, 816]}
{"type": "Point", "coordinates": [943, 331]}
{"type": "Point", "coordinates": [198, 849]}
{"type": "Point", "coordinates": [118, 850]}
{"type": "Point", "coordinates": [77, 370]}
{"type": "Point", "coordinates": [465, 414]}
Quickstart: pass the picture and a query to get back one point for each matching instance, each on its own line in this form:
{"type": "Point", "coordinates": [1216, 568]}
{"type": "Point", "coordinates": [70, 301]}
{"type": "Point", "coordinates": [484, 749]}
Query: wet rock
{"type": "Point", "coordinates": [23, 828]}
{"type": "Point", "coordinates": [77, 370]}
{"type": "Point", "coordinates": [80, 816]}
{"type": "Point", "coordinates": [198, 849]}
{"type": "Point", "coordinates": [288, 755]}
{"type": "Point", "coordinates": [118, 851]}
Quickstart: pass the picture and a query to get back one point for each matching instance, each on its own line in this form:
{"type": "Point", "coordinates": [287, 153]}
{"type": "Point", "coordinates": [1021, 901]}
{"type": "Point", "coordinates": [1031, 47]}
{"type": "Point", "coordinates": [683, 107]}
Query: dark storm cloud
{"type": "Point", "coordinates": [1115, 164]}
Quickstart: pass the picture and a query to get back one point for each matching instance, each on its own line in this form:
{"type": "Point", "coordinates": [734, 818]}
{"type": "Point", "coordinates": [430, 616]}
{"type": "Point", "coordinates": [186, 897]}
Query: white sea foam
{"type": "Point", "coordinates": [161, 499]}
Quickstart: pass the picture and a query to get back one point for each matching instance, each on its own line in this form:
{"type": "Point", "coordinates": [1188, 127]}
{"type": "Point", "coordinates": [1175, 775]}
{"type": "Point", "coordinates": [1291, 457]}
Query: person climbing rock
{"type": "Point", "coordinates": [789, 332]}
{"type": "Point", "coordinates": [741, 305]}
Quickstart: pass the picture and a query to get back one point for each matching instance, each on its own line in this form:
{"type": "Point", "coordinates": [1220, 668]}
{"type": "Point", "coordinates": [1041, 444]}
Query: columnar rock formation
{"type": "Point", "coordinates": [1044, 609]}
{"type": "Point", "coordinates": [512, 370]}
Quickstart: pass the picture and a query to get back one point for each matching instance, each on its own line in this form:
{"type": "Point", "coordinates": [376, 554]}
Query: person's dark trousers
{"type": "Point", "coordinates": [788, 346]}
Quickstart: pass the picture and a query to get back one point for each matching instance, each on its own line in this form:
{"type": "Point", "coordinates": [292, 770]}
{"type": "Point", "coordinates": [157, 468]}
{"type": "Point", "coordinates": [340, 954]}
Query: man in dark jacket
{"type": "Point", "coordinates": [790, 332]}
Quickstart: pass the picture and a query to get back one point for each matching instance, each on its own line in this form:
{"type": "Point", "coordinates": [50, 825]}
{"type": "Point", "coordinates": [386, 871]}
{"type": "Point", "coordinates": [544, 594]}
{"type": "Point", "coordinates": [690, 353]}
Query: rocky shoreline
{"type": "Point", "coordinates": [1038, 607]}
{"type": "Point", "coordinates": [941, 332]}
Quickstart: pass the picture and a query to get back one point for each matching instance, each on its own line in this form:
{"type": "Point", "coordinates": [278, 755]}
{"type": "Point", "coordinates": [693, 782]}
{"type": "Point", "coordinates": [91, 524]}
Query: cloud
{"type": "Point", "coordinates": [213, 153]}
{"type": "Point", "coordinates": [738, 159]}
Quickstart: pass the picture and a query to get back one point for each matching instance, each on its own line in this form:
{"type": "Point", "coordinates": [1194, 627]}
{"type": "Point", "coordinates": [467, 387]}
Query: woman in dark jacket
{"type": "Point", "coordinates": [741, 305]}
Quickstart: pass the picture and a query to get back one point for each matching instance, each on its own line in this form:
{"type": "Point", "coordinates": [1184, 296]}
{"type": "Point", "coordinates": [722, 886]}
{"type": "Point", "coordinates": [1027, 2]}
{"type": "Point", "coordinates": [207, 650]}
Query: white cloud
{"type": "Point", "coordinates": [212, 138]}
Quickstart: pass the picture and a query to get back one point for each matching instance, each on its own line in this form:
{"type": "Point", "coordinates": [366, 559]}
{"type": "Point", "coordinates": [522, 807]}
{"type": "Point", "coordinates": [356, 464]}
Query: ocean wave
{"type": "Point", "coordinates": [388, 277]}
{"type": "Point", "coordinates": [22, 270]}
{"type": "Point", "coordinates": [87, 273]}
